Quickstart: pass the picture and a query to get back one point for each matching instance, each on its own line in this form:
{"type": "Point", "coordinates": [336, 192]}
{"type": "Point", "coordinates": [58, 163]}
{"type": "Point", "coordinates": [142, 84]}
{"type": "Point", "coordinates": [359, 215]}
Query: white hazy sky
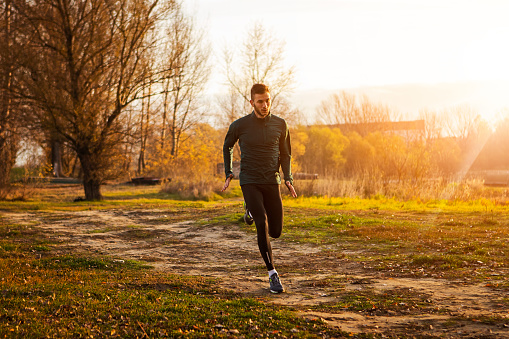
{"type": "Point", "coordinates": [391, 49]}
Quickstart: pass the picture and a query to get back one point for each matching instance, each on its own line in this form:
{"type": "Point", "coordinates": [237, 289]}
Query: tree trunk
{"type": "Point", "coordinates": [174, 124]}
{"type": "Point", "coordinates": [165, 114]}
{"type": "Point", "coordinates": [141, 155]}
{"type": "Point", "coordinates": [56, 158]}
{"type": "Point", "coordinates": [144, 137]}
{"type": "Point", "coordinates": [92, 190]}
{"type": "Point", "coordinates": [7, 160]}
{"type": "Point", "coordinates": [7, 142]}
{"type": "Point", "coordinates": [91, 181]}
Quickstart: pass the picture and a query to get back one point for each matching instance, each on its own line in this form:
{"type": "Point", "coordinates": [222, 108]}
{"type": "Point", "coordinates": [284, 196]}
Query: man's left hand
{"type": "Point", "coordinates": [291, 189]}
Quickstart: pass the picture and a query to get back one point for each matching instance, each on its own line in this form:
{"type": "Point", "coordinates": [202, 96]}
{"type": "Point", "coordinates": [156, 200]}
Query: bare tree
{"type": "Point", "coordinates": [186, 60]}
{"type": "Point", "coordinates": [231, 107]}
{"type": "Point", "coordinates": [461, 121]}
{"type": "Point", "coordinates": [339, 108]}
{"type": "Point", "coordinates": [433, 124]}
{"type": "Point", "coordinates": [356, 115]}
{"type": "Point", "coordinates": [91, 65]}
{"type": "Point", "coordinates": [262, 59]}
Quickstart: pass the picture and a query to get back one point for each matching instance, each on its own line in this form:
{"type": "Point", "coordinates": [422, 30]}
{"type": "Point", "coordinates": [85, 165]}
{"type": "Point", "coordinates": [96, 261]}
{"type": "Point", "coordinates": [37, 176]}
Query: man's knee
{"type": "Point", "coordinates": [275, 233]}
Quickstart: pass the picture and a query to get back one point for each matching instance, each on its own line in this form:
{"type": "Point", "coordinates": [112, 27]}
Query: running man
{"type": "Point", "coordinates": [264, 141]}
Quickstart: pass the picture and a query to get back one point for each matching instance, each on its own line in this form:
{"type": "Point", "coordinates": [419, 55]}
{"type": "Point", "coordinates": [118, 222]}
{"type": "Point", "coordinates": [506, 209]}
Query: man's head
{"type": "Point", "coordinates": [260, 100]}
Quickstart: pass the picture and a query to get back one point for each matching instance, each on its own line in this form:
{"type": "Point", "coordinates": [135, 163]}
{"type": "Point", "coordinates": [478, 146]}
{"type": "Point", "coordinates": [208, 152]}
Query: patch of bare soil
{"type": "Point", "coordinates": [314, 279]}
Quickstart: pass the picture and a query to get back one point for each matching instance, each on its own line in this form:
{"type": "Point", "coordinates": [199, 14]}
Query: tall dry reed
{"type": "Point", "coordinates": [365, 186]}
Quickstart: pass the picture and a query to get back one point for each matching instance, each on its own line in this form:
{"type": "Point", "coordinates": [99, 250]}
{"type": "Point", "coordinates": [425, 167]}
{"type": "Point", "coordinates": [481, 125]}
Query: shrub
{"type": "Point", "coordinates": [201, 188]}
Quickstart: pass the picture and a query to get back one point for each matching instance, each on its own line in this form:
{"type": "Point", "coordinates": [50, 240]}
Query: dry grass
{"type": "Point", "coordinates": [207, 188]}
{"type": "Point", "coordinates": [423, 190]}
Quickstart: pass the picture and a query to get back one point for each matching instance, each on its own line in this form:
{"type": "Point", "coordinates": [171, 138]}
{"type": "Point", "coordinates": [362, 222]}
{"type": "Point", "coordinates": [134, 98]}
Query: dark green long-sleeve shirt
{"type": "Point", "coordinates": [264, 148]}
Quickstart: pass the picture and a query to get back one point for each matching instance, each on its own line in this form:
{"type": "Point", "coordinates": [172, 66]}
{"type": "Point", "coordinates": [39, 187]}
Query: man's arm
{"type": "Point", "coordinates": [285, 156]}
{"type": "Point", "coordinates": [229, 141]}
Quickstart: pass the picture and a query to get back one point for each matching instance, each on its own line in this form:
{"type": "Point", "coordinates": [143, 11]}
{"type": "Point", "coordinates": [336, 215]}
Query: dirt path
{"type": "Point", "coordinates": [311, 276]}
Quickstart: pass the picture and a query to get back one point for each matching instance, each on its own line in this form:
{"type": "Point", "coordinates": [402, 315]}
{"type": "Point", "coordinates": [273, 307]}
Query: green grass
{"type": "Point", "coordinates": [435, 239]}
{"type": "Point", "coordinates": [73, 296]}
{"type": "Point", "coordinates": [392, 204]}
{"type": "Point", "coordinates": [447, 240]}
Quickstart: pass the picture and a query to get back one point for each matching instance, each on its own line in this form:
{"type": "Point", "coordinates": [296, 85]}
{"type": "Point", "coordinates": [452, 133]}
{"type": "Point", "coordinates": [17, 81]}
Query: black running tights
{"type": "Point", "coordinates": [264, 203]}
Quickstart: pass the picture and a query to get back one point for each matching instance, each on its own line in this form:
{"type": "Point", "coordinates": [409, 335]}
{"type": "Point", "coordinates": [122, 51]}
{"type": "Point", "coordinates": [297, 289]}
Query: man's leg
{"type": "Point", "coordinates": [254, 198]}
{"type": "Point", "coordinates": [274, 210]}
{"type": "Point", "coordinates": [264, 202]}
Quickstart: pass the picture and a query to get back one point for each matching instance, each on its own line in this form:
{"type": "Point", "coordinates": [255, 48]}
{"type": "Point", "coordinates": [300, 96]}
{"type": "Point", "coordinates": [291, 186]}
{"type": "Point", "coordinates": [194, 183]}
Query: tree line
{"type": "Point", "coordinates": [111, 89]}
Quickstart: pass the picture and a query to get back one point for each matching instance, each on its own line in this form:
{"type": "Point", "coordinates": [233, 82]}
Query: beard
{"type": "Point", "coordinates": [259, 113]}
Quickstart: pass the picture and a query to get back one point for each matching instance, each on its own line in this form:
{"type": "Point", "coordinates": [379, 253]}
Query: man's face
{"type": "Point", "coordinates": [261, 104]}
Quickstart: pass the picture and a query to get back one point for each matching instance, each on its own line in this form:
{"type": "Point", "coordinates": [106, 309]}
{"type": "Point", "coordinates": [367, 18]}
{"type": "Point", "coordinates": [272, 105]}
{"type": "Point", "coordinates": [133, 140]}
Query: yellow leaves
{"type": "Point", "coordinates": [198, 154]}
{"type": "Point", "coordinates": [323, 150]}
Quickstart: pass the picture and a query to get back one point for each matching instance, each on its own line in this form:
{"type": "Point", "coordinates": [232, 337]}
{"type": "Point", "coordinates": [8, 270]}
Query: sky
{"type": "Point", "coordinates": [409, 54]}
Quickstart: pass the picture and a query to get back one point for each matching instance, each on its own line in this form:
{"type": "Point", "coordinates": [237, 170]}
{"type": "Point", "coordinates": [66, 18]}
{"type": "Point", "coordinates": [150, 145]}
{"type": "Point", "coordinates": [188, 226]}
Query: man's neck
{"type": "Point", "coordinates": [260, 116]}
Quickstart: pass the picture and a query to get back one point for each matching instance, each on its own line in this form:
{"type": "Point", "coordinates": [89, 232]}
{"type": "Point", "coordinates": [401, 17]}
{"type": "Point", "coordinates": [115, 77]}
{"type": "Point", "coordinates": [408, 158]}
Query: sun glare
{"type": "Point", "coordinates": [486, 57]}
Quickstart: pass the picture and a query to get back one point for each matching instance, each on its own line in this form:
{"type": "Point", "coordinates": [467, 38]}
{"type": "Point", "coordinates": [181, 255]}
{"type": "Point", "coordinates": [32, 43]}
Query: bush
{"type": "Point", "coordinates": [199, 189]}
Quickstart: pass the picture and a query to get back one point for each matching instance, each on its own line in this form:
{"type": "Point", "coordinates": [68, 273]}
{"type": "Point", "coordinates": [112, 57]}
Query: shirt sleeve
{"type": "Point", "coordinates": [229, 141]}
{"type": "Point", "coordinates": [285, 153]}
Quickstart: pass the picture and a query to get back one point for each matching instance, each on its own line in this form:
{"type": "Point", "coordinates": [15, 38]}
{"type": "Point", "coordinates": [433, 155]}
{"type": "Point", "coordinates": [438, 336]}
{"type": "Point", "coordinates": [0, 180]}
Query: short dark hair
{"type": "Point", "coordinates": [259, 89]}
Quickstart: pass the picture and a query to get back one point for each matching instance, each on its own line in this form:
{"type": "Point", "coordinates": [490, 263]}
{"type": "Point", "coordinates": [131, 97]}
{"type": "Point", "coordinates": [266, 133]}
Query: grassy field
{"type": "Point", "coordinates": [49, 290]}
{"type": "Point", "coordinates": [436, 239]}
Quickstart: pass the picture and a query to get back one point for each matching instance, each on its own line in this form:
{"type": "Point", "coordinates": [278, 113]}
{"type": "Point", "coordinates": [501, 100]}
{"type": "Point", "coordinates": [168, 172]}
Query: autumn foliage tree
{"type": "Point", "coordinates": [359, 155]}
{"type": "Point", "coordinates": [88, 64]}
{"type": "Point", "coordinates": [323, 152]}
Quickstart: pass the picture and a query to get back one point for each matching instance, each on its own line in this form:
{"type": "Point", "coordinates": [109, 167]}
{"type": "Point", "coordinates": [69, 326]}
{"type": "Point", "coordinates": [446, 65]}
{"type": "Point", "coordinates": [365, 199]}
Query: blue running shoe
{"type": "Point", "coordinates": [275, 284]}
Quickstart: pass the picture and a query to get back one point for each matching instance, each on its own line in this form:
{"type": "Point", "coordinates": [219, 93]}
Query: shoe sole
{"type": "Point", "coordinates": [249, 222]}
{"type": "Point", "coordinates": [276, 292]}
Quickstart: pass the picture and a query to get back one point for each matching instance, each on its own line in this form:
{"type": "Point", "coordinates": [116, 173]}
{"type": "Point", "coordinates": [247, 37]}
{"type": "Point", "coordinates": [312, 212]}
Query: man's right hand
{"type": "Point", "coordinates": [227, 182]}
{"type": "Point", "coordinates": [291, 189]}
